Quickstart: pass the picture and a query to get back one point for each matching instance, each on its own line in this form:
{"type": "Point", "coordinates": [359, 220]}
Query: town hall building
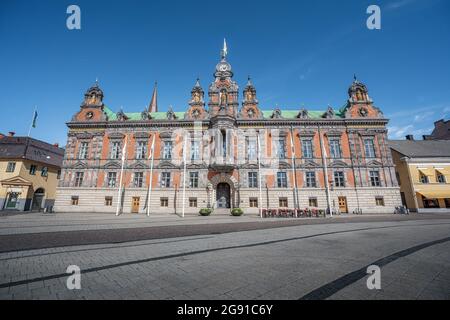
{"type": "Point", "coordinates": [225, 151]}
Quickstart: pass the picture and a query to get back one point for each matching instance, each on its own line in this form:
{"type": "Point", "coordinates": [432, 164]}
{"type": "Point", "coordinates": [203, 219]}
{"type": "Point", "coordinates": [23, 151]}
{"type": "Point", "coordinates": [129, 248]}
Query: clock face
{"type": "Point", "coordinates": [89, 115]}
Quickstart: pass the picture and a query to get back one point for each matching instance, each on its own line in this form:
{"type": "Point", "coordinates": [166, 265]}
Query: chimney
{"type": "Point", "coordinates": [410, 137]}
{"type": "Point", "coordinates": [56, 144]}
{"type": "Point", "coordinates": [11, 134]}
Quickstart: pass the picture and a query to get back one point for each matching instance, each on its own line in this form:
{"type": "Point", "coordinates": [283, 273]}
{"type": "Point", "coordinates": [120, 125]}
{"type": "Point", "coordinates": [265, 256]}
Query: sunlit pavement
{"type": "Point", "coordinates": [167, 257]}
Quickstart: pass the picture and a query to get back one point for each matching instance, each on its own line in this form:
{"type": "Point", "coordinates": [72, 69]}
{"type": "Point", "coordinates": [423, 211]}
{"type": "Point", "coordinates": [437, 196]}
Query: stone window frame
{"type": "Point", "coordinates": [195, 150]}
{"type": "Point", "coordinates": [379, 201]}
{"type": "Point", "coordinates": [283, 202]}
{"type": "Point", "coordinates": [339, 178]}
{"type": "Point", "coordinates": [313, 202]}
{"type": "Point", "coordinates": [193, 202]}
{"type": "Point", "coordinates": [108, 179]}
{"type": "Point", "coordinates": [83, 151]}
{"type": "Point", "coordinates": [74, 200]}
{"type": "Point", "coordinates": [167, 154]}
{"type": "Point", "coordinates": [79, 179]}
{"type": "Point", "coordinates": [164, 183]}
{"type": "Point", "coordinates": [141, 153]}
{"type": "Point", "coordinates": [251, 151]}
{"type": "Point", "coordinates": [115, 153]}
{"type": "Point", "coordinates": [306, 179]}
{"type": "Point", "coordinates": [192, 179]}
{"type": "Point", "coordinates": [375, 180]}
{"type": "Point", "coordinates": [33, 169]}
{"type": "Point", "coordinates": [11, 166]}
{"type": "Point", "coordinates": [254, 183]}
{"type": "Point", "coordinates": [253, 202]}
{"type": "Point", "coordinates": [339, 149]}
{"type": "Point", "coordinates": [44, 172]}
{"type": "Point", "coordinates": [284, 177]}
{"type": "Point", "coordinates": [281, 152]}
{"type": "Point", "coordinates": [164, 202]}
{"type": "Point", "coordinates": [372, 147]}
{"type": "Point", "coordinates": [108, 201]}
{"type": "Point", "coordinates": [138, 179]}
{"type": "Point", "coordinates": [311, 141]}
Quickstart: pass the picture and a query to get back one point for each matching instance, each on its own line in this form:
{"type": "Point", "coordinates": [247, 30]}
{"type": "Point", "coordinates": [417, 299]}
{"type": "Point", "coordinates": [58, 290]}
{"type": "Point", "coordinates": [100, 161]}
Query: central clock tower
{"type": "Point", "coordinates": [223, 92]}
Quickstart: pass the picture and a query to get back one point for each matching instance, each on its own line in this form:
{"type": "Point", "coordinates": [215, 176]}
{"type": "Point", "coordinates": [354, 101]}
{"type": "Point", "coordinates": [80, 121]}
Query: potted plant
{"type": "Point", "coordinates": [205, 211]}
{"type": "Point", "coordinates": [237, 212]}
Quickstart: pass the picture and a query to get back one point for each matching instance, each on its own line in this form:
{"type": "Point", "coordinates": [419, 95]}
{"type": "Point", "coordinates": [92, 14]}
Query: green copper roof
{"type": "Point", "coordinates": [286, 114]}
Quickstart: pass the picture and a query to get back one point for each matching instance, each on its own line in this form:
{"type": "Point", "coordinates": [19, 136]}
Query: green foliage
{"type": "Point", "coordinates": [237, 212]}
{"type": "Point", "coordinates": [205, 211]}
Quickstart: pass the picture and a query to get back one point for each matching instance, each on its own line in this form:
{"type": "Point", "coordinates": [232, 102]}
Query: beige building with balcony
{"type": "Point", "coordinates": [423, 172]}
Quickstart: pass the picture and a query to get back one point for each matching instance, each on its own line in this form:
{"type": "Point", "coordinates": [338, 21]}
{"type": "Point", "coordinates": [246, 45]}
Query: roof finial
{"type": "Point", "coordinates": [224, 50]}
{"type": "Point", "coordinates": [96, 81]}
{"type": "Point", "coordinates": [354, 77]}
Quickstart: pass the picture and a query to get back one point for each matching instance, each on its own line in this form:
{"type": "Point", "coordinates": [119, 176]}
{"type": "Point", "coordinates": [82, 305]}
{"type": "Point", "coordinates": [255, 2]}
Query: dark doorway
{"type": "Point", "coordinates": [38, 197]}
{"type": "Point", "coordinates": [223, 195]}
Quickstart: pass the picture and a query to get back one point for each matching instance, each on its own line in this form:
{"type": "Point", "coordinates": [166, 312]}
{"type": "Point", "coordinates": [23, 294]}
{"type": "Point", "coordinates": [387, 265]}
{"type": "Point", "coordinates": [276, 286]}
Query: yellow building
{"type": "Point", "coordinates": [423, 173]}
{"type": "Point", "coordinates": [29, 171]}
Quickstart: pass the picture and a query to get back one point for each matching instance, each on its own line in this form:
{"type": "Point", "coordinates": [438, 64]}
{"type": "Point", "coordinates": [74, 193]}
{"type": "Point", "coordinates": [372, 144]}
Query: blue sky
{"type": "Point", "coordinates": [297, 53]}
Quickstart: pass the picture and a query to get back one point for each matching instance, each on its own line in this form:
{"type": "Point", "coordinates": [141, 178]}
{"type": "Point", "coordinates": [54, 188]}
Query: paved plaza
{"type": "Point", "coordinates": [168, 257]}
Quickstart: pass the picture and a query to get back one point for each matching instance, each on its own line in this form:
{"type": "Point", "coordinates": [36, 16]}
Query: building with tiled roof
{"type": "Point", "coordinates": [423, 173]}
{"type": "Point", "coordinates": [29, 171]}
{"type": "Point", "coordinates": [225, 152]}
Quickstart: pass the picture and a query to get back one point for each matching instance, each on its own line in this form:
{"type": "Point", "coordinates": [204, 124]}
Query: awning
{"type": "Point", "coordinates": [435, 193]}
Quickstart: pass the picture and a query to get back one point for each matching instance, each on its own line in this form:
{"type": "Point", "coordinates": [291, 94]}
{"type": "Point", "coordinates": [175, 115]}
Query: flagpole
{"type": "Point", "coordinates": [32, 120]}
{"type": "Point", "coordinates": [119, 200]}
{"type": "Point", "coordinates": [325, 168]}
{"type": "Point", "coordinates": [151, 176]}
{"type": "Point", "coordinates": [184, 175]}
{"type": "Point", "coordinates": [259, 174]}
{"type": "Point", "coordinates": [294, 171]}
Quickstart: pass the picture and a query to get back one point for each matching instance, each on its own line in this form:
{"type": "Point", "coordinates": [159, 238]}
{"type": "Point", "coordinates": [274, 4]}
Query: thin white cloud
{"type": "Point", "coordinates": [393, 5]}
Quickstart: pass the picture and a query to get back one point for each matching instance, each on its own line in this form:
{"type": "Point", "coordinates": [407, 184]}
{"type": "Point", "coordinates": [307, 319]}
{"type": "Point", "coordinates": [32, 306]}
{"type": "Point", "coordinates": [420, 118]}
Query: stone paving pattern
{"type": "Point", "coordinates": [276, 263]}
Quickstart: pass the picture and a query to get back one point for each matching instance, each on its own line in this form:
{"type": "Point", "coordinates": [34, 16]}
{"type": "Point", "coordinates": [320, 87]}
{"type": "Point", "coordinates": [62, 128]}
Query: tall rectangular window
{"type": "Point", "coordinates": [374, 178]}
{"type": "Point", "coordinates": [83, 150]}
{"type": "Point", "coordinates": [253, 179]}
{"type": "Point", "coordinates": [310, 179]}
{"type": "Point", "coordinates": [339, 180]}
{"type": "Point", "coordinates": [307, 150]}
{"type": "Point", "coordinates": [281, 179]}
{"type": "Point", "coordinates": [282, 202]}
{"type": "Point", "coordinates": [138, 179]}
{"type": "Point", "coordinates": [164, 202]}
{"type": "Point", "coordinates": [111, 179]}
{"type": "Point", "coordinates": [195, 150]}
{"type": "Point", "coordinates": [11, 166]}
{"type": "Point", "coordinates": [167, 151]}
{"type": "Point", "coordinates": [281, 149]}
{"type": "Point", "coordinates": [165, 179]}
{"type": "Point", "coordinates": [440, 178]}
{"type": "Point", "coordinates": [335, 149]}
{"type": "Point", "coordinates": [44, 172]}
{"type": "Point", "coordinates": [79, 179]}
{"type": "Point", "coordinates": [33, 169]}
{"type": "Point", "coordinates": [141, 150]}
{"type": "Point", "coordinates": [193, 179]}
{"type": "Point", "coordinates": [115, 150]}
{"type": "Point", "coordinates": [369, 148]}
{"type": "Point", "coordinates": [251, 149]}
{"type": "Point", "coordinates": [108, 201]}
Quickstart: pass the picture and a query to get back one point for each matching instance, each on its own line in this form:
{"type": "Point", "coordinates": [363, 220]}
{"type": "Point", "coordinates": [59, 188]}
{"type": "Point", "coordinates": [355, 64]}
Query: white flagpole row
{"type": "Point", "coordinates": [119, 197]}
{"type": "Point", "coordinates": [325, 167]}
{"type": "Point", "coordinates": [259, 175]}
{"type": "Point", "coordinates": [184, 174]}
{"type": "Point", "coordinates": [149, 195]}
{"type": "Point", "coordinates": [296, 204]}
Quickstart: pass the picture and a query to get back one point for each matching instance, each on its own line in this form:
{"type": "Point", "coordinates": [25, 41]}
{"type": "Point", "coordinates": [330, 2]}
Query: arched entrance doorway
{"type": "Point", "coordinates": [38, 197]}
{"type": "Point", "coordinates": [223, 193]}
